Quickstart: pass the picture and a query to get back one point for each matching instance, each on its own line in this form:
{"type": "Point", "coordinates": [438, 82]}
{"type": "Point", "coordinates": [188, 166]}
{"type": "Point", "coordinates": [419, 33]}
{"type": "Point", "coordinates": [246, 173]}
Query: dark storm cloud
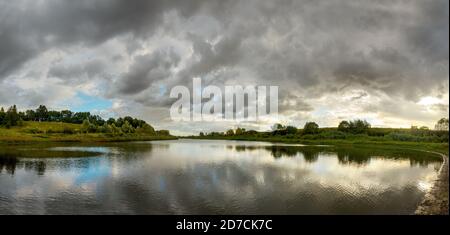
{"type": "Point", "coordinates": [28, 28]}
{"type": "Point", "coordinates": [78, 71]}
{"type": "Point", "coordinates": [310, 49]}
{"type": "Point", "coordinates": [148, 69]}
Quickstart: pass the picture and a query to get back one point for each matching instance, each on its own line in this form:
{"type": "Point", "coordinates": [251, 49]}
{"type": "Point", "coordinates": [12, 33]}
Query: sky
{"type": "Point", "coordinates": [383, 61]}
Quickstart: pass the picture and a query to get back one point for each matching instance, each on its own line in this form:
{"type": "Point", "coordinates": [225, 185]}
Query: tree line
{"type": "Point", "coordinates": [89, 123]}
{"type": "Point", "coordinates": [346, 129]}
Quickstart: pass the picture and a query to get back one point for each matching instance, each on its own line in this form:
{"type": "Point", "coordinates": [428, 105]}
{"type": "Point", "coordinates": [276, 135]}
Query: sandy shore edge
{"type": "Point", "coordinates": [435, 201]}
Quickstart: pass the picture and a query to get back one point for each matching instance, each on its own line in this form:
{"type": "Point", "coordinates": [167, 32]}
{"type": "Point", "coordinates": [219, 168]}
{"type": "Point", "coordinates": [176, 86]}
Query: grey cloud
{"type": "Point", "coordinates": [309, 49]}
{"type": "Point", "coordinates": [148, 69]}
{"type": "Point", "coordinates": [88, 70]}
{"type": "Point", "coordinates": [28, 28]}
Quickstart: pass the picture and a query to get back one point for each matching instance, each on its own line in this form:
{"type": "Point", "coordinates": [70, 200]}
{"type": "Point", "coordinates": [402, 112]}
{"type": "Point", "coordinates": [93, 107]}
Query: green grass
{"type": "Point", "coordinates": [362, 141]}
{"type": "Point", "coordinates": [58, 132]}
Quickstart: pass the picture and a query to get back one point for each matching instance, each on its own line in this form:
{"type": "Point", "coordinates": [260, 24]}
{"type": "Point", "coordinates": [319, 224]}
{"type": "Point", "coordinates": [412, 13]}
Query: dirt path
{"type": "Point", "coordinates": [436, 200]}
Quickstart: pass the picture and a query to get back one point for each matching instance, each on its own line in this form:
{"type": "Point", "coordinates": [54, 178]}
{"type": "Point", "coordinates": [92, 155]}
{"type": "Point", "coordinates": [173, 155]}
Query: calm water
{"type": "Point", "coordinates": [211, 177]}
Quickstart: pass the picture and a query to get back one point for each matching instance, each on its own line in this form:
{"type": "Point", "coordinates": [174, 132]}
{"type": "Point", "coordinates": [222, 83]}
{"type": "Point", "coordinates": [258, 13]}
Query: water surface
{"type": "Point", "coordinates": [211, 177]}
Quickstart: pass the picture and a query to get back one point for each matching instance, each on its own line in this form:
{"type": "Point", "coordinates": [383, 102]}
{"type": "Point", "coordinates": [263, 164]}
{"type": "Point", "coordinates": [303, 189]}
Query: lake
{"type": "Point", "coordinates": [211, 177]}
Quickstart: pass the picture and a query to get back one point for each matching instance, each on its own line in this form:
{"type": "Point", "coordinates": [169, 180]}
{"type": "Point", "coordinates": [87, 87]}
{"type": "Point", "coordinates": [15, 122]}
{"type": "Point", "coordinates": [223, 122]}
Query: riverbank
{"type": "Point", "coordinates": [38, 132]}
{"type": "Point", "coordinates": [374, 142]}
{"type": "Point", "coordinates": [435, 201]}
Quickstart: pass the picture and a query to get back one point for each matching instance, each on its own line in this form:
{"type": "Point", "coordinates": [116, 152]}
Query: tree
{"type": "Point", "coordinates": [79, 117]}
{"type": "Point", "coordinates": [66, 116]}
{"type": "Point", "coordinates": [105, 128]}
{"type": "Point", "coordinates": [88, 127]}
{"type": "Point", "coordinates": [127, 128]}
{"type": "Point", "coordinates": [129, 120]}
{"type": "Point", "coordinates": [111, 121]}
{"type": "Point", "coordinates": [30, 115]}
{"type": "Point", "coordinates": [119, 122]}
{"type": "Point", "coordinates": [42, 113]}
{"type": "Point", "coordinates": [277, 127]}
{"type": "Point", "coordinates": [442, 125]}
{"type": "Point", "coordinates": [239, 131]}
{"type": "Point", "coordinates": [291, 130]}
{"type": "Point", "coordinates": [202, 134]}
{"type": "Point", "coordinates": [85, 126]}
{"type": "Point", "coordinates": [163, 132]}
{"type": "Point", "coordinates": [146, 129]}
{"type": "Point", "coordinates": [115, 130]}
{"type": "Point", "coordinates": [11, 117]}
{"type": "Point", "coordinates": [230, 132]}
{"type": "Point", "coordinates": [344, 126]}
{"type": "Point", "coordinates": [2, 116]}
{"type": "Point", "coordinates": [311, 128]}
{"type": "Point", "coordinates": [359, 126]}
{"type": "Point", "coordinates": [54, 116]}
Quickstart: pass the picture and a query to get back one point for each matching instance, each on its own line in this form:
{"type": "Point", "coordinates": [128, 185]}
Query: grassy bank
{"type": "Point", "coordinates": [66, 132]}
{"type": "Point", "coordinates": [377, 142]}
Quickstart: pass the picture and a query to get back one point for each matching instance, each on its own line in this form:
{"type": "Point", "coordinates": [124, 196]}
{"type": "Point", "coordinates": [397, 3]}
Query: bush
{"type": "Point", "coordinates": [147, 129]}
{"type": "Point", "coordinates": [115, 130]}
{"type": "Point", "coordinates": [105, 128]}
{"type": "Point", "coordinates": [163, 133]}
{"type": "Point", "coordinates": [357, 126]}
{"type": "Point", "coordinates": [415, 138]}
{"type": "Point", "coordinates": [33, 131]}
{"type": "Point", "coordinates": [68, 131]}
{"type": "Point", "coordinates": [127, 128]}
{"type": "Point", "coordinates": [311, 128]}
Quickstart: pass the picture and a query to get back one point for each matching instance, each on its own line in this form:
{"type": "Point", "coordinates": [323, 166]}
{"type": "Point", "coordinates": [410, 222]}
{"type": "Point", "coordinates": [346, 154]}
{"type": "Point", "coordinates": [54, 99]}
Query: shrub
{"type": "Point", "coordinates": [311, 128]}
{"type": "Point", "coordinates": [127, 128]}
{"type": "Point", "coordinates": [147, 129]}
{"type": "Point", "coordinates": [33, 131]}
{"type": "Point", "coordinates": [68, 130]}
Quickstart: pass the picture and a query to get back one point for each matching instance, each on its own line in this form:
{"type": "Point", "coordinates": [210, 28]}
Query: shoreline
{"type": "Point", "coordinates": [435, 201]}
{"type": "Point", "coordinates": [82, 139]}
{"type": "Point", "coordinates": [441, 148]}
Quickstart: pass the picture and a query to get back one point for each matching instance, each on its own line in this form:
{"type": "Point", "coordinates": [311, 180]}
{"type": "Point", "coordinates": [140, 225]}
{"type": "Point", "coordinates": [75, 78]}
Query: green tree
{"type": "Point", "coordinates": [277, 127]}
{"type": "Point", "coordinates": [146, 129]}
{"type": "Point", "coordinates": [291, 130]}
{"type": "Point", "coordinates": [115, 130]}
{"type": "Point", "coordinates": [163, 133]}
{"type": "Point", "coordinates": [239, 131]}
{"type": "Point", "coordinates": [311, 128]}
{"type": "Point", "coordinates": [42, 113]}
{"type": "Point", "coordinates": [442, 125]}
{"type": "Point", "coordinates": [359, 126]}
{"type": "Point", "coordinates": [85, 126]}
{"type": "Point", "coordinates": [30, 115]}
{"type": "Point", "coordinates": [111, 121]}
{"type": "Point", "coordinates": [105, 128]}
{"type": "Point", "coordinates": [66, 116]}
{"type": "Point", "coordinates": [2, 116]}
{"type": "Point", "coordinates": [127, 128]}
{"type": "Point", "coordinates": [11, 117]}
{"type": "Point", "coordinates": [344, 126]}
{"type": "Point", "coordinates": [119, 122]}
{"type": "Point", "coordinates": [230, 132]}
